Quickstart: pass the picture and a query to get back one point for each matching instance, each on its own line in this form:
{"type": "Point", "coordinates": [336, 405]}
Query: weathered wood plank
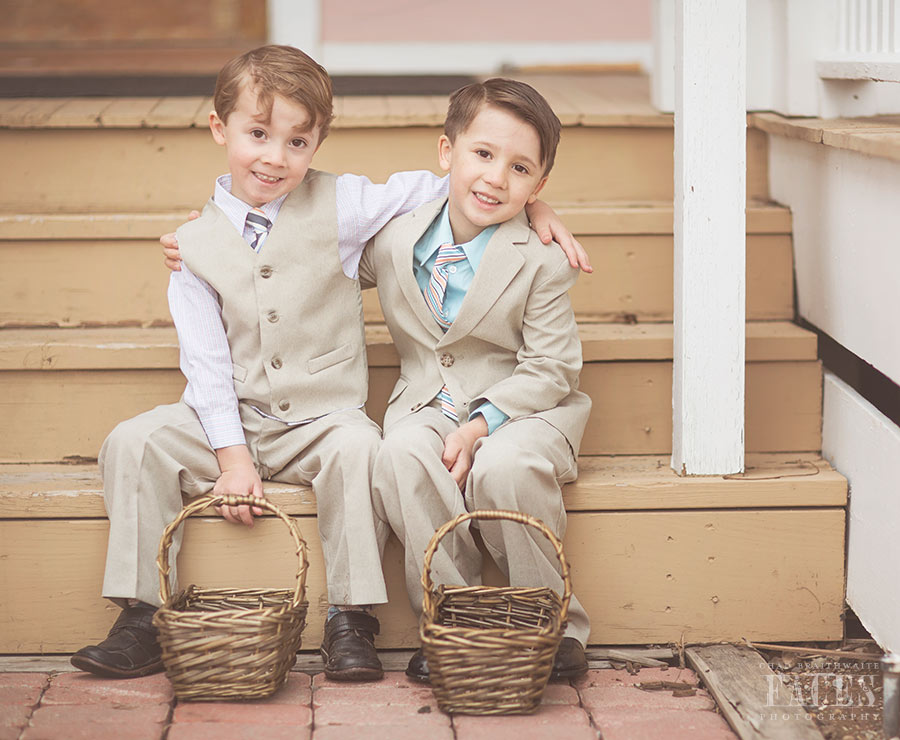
{"type": "Point", "coordinates": [753, 699]}
{"type": "Point", "coordinates": [645, 577]}
{"type": "Point", "coordinates": [107, 348]}
{"type": "Point", "coordinates": [62, 413]}
{"type": "Point", "coordinates": [87, 278]}
{"type": "Point", "coordinates": [54, 490]}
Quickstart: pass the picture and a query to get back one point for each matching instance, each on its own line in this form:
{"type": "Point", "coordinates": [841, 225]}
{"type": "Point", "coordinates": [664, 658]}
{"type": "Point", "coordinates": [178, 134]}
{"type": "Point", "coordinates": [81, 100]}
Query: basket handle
{"type": "Point", "coordinates": [200, 503]}
{"type": "Point", "coordinates": [493, 515]}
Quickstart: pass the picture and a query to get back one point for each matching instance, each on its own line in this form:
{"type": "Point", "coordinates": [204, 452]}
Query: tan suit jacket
{"type": "Point", "coordinates": [514, 342]}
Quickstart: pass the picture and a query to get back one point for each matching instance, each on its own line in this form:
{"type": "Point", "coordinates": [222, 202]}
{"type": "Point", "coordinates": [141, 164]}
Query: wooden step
{"type": "Point", "coordinates": [655, 557]}
{"type": "Point", "coordinates": [155, 154]}
{"type": "Point", "coordinates": [105, 269]}
{"type": "Point", "coordinates": [64, 389]}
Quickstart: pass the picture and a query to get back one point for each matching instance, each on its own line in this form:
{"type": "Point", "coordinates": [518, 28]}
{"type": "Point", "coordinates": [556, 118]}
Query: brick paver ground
{"type": "Point", "coordinates": [605, 704]}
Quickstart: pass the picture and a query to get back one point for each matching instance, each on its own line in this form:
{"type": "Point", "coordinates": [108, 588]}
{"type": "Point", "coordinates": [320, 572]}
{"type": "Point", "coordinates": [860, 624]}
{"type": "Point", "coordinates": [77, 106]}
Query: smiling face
{"type": "Point", "coordinates": [268, 156]}
{"type": "Point", "coordinates": [495, 171]}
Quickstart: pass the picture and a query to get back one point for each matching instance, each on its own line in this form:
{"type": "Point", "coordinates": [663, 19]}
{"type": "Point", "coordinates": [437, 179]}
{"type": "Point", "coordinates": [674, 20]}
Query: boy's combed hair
{"type": "Point", "coordinates": [277, 70]}
{"type": "Point", "coordinates": [520, 99]}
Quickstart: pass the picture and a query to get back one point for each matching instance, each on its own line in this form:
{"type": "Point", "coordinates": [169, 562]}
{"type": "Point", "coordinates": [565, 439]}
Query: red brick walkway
{"type": "Point", "coordinates": [604, 704]}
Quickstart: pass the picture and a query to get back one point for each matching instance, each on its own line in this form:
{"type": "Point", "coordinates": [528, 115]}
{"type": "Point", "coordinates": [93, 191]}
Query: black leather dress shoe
{"type": "Point", "coordinates": [348, 647]}
{"type": "Point", "coordinates": [130, 649]}
{"type": "Point", "coordinates": [417, 668]}
{"type": "Point", "coordinates": [570, 660]}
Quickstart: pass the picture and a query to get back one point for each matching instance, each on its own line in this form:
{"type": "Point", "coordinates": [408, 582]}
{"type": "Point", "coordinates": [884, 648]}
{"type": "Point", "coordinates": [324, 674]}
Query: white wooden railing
{"type": "Point", "coordinates": [867, 42]}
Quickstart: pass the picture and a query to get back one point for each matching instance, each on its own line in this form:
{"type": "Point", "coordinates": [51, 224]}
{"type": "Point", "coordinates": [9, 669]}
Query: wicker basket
{"type": "Point", "coordinates": [490, 650]}
{"type": "Point", "coordinates": [229, 642]}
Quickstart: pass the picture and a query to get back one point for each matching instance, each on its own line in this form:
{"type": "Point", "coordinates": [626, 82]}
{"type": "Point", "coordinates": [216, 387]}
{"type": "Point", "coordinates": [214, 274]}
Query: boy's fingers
{"type": "Point", "coordinates": [545, 236]}
{"type": "Point", "coordinates": [193, 214]}
{"type": "Point", "coordinates": [577, 255]}
{"type": "Point", "coordinates": [172, 264]}
{"type": "Point", "coordinates": [245, 516]}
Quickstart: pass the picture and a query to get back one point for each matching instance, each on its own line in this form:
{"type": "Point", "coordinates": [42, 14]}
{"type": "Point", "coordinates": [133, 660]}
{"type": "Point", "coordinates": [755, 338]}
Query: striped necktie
{"type": "Point", "coordinates": [434, 298]}
{"type": "Point", "coordinates": [260, 226]}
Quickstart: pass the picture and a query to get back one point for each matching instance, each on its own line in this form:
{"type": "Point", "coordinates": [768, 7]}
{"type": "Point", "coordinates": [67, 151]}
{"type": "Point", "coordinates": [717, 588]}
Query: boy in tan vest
{"type": "Point", "coordinates": [487, 413]}
{"type": "Point", "coordinates": [269, 319]}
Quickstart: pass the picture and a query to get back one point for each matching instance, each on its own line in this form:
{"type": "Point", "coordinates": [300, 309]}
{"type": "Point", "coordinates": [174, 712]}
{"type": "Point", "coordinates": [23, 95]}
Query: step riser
{"type": "Point", "coordinates": [644, 577]}
{"type": "Point", "coordinates": [135, 170]}
{"type": "Point", "coordinates": [59, 414]}
{"type": "Point", "coordinates": [122, 282]}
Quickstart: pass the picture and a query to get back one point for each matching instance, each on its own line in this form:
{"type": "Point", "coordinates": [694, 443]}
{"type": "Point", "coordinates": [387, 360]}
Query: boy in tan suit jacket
{"type": "Point", "coordinates": [487, 413]}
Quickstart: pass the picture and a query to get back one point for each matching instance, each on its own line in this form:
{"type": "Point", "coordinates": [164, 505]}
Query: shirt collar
{"type": "Point", "coordinates": [236, 209]}
{"type": "Point", "coordinates": [439, 232]}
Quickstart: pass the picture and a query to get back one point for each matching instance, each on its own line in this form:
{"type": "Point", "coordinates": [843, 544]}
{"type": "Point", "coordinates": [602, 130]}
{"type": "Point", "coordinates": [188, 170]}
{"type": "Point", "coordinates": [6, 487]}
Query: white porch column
{"type": "Point", "coordinates": [710, 196]}
{"type": "Point", "coordinates": [296, 23]}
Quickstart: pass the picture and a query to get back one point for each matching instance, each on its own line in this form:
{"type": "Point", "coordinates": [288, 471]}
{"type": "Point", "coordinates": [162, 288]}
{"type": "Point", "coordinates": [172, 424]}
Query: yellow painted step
{"type": "Point", "coordinates": [106, 269]}
{"type": "Point", "coordinates": [64, 389]}
{"type": "Point", "coordinates": [135, 155]}
{"type": "Point", "coordinates": [656, 557]}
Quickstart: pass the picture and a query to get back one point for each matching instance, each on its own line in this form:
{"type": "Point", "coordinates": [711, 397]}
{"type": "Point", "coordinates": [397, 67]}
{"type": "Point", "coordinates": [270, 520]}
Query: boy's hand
{"type": "Point", "coordinates": [549, 227]}
{"type": "Point", "coordinates": [457, 457]}
{"type": "Point", "coordinates": [171, 253]}
{"type": "Point", "coordinates": [239, 477]}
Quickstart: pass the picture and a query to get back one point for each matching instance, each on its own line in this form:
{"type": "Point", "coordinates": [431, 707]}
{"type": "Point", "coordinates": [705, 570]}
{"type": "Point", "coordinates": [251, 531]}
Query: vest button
{"type": "Point", "coordinates": [447, 359]}
{"type": "Point", "coordinates": [276, 363]}
{"type": "Point", "coordinates": [284, 405]}
{"type": "Point", "coordinates": [272, 316]}
{"type": "Point", "coordinates": [265, 271]}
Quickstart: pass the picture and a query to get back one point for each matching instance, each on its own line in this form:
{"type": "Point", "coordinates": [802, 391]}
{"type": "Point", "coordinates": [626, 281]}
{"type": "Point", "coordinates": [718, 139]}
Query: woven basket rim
{"type": "Point", "coordinates": [202, 502]}
{"type": "Point", "coordinates": [430, 598]}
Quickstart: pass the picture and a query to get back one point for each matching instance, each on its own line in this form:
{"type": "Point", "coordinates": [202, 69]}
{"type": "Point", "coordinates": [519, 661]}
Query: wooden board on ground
{"type": "Point", "coordinates": [644, 577]}
{"type": "Point", "coordinates": [750, 695]}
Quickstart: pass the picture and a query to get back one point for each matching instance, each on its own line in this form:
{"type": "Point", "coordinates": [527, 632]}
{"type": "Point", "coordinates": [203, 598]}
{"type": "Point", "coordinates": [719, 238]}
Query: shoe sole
{"type": "Point", "coordinates": [567, 673]}
{"type": "Point", "coordinates": [98, 669]}
{"type": "Point", "coordinates": [354, 673]}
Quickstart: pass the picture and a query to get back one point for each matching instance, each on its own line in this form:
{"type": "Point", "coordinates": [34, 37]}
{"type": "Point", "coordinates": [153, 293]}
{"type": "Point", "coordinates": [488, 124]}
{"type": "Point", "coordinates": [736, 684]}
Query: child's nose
{"type": "Point", "coordinates": [496, 175]}
{"type": "Point", "coordinates": [274, 154]}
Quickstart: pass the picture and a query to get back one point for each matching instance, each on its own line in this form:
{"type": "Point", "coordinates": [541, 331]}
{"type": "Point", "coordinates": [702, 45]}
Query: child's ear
{"type": "Point", "coordinates": [445, 151]}
{"type": "Point", "coordinates": [217, 128]}
{"type": "Point", "coordinates": [540, 186]}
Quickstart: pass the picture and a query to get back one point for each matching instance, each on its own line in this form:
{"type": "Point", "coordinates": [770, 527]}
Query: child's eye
{"type": "Point", "coordinates": [521, 169]}
{"type": "Point", "coordinates": [483, 153]}
{"type": "Point", "coordinates": [258, 133]}
{"type": "Point", "coordinates": [299, 143]}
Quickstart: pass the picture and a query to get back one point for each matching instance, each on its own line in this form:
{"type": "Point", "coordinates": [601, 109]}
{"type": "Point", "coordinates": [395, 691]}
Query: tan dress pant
{"type": "Point", "coordinates": [149, 461]}
{"type": "Point", "coordinates": [520, 467]}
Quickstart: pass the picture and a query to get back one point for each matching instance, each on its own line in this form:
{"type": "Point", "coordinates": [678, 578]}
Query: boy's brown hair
{"type": "Point", "coordinates": [520, 99]}
{"type": "Point", "coordinates": [277, 70]}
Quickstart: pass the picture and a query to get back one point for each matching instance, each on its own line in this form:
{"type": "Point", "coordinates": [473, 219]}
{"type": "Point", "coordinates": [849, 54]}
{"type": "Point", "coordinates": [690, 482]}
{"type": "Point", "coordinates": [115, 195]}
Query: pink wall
{"type": "Point", "coordinates": [485, 20]}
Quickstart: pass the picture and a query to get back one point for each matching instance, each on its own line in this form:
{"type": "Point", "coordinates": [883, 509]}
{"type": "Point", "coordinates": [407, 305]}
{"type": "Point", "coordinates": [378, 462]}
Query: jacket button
{"type": "Point", "coordinates": [276, 363]}
{"type": "Point", "coordinates": [447, 359]}
{"type": "Point", "coordinates": [272, 316]}
{"type": "Point", "coordinates": [265, 271]}
{"type": "Point", "coordinates": [284, 405]}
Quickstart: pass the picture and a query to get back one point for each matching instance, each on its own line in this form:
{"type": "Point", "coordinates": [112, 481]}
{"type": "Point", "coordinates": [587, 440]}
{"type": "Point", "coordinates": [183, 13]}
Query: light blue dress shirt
{"type": "Point", "coordinates": [459, 279]}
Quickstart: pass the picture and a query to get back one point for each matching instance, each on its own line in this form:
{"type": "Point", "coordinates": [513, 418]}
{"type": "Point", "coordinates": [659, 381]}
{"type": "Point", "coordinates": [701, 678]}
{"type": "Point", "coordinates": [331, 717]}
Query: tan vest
{"type": "Point", "coordinates": [292, 317]}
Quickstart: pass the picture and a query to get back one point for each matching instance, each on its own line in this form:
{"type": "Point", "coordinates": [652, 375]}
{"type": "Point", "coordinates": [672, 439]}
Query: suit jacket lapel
{"type": "Point", "coordinates": [402, 256]}
{"type": "Point", "coordinates": [499, 265]}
